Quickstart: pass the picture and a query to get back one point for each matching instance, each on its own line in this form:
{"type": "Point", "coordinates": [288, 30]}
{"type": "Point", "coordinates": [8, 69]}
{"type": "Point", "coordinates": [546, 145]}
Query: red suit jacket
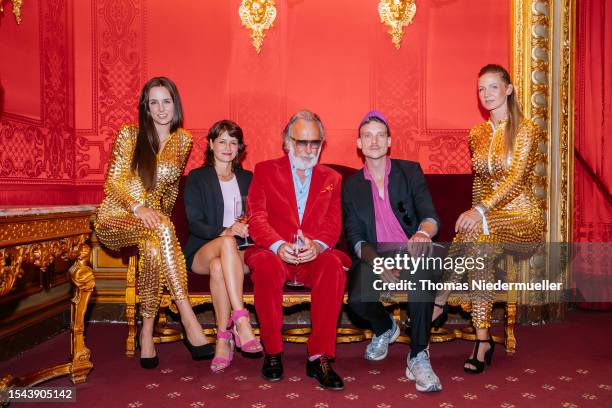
{"type": "Point", "coordinates": [274, 217]}
{"type": "Point", "coordinates": [273, 208]}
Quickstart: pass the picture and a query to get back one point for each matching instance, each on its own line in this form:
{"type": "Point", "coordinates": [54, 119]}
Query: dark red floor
{"type": "Point", "coordinates": [566, 364]}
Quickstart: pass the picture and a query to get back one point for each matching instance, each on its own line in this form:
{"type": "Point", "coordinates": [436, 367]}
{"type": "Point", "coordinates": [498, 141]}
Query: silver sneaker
{"type": "Point", "coordinates": [419, 370]}
{"type": "Point", "coordinates": [379, 346]}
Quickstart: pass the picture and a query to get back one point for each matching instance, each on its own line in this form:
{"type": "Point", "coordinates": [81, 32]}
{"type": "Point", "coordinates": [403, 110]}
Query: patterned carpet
{"type": "Point", "coordinates": [565, 364]}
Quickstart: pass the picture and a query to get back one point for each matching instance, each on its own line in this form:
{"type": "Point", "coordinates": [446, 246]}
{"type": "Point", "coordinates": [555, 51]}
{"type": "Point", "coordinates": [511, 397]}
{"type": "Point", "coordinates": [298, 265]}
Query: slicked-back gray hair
{"type": "Point", "coordinates": [304, 115]}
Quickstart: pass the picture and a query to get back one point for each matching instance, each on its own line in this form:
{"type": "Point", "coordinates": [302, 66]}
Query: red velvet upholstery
{"type": "Point", "coordinates": [451, 195]}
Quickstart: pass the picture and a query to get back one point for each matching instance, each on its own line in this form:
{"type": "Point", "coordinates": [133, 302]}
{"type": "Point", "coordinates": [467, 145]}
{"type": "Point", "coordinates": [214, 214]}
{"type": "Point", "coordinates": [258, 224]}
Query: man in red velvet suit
{"type": "Point", "coordinates": [288, 196]}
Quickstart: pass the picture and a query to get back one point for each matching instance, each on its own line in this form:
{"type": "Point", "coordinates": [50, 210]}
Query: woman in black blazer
{"type": "Point", "coordinates": [213, 231]}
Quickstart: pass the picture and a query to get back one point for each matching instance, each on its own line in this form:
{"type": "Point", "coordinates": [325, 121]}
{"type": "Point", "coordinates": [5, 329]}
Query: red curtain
{"type": "Point", "coordinates": [592, 169]}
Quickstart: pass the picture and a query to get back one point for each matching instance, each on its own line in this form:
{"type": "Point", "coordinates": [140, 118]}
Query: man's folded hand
{"type": "Point", "coordinates": [310, 251]}
{"type": "Point", "coordinates": [287, 254]}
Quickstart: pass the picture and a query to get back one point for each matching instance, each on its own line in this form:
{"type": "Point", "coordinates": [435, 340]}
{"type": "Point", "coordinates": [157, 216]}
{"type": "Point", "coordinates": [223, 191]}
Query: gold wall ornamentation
{"type": "Point", "coordinates": [531, 59]}
{"type": "Point", "coordinates": [531, 74]}
{"type": "Point", "coordinates": [566, 115]}
{"type": "Point", "coordinates": [396, 14]}
{"type": "Point", "coordinates": [257, 16]}
{"type": "Point", "coordinates": [542, 55]}
{"type": "Point", "coordinates": [16, 9]}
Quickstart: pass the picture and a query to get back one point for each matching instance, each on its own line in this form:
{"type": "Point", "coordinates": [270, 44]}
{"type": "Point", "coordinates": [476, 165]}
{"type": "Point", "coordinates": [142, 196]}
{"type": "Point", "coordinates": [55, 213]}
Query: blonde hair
{"type": "Point", "coordinates": [515, 116]}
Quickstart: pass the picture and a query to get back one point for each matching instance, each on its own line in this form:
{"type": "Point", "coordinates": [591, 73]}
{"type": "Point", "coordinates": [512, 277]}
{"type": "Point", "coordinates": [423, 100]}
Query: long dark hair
{"type": "Point", "coordinates": [233, 130]}
{"type": "Point", "coordinates": [144, 160]}
{"type": "Point", "coordinates": [514, 111]}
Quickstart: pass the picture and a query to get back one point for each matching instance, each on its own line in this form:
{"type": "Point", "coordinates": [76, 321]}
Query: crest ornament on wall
{"type": "Point", "coordinates": [257, 16]}
{"type": "Point", "coordinates": [396, 14]}
{"type": "Point", "coordinates": [16, 9]}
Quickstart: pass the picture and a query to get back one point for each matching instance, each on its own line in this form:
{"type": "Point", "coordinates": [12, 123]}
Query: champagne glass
{"type": "Point", "coordinates": [298, 246]}
{"type": "Point", "coordinates": [241, 216]}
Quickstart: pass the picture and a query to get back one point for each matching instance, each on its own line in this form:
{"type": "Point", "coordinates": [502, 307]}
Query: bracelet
{"type": "Point", "coordinates": [424, 233]}
{"type": "Point", "coordinates": [135, 207]}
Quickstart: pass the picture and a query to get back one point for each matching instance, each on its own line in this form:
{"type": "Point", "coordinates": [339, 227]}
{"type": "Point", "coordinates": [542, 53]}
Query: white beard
{"type": "Point", "coordinates": [300, 163]}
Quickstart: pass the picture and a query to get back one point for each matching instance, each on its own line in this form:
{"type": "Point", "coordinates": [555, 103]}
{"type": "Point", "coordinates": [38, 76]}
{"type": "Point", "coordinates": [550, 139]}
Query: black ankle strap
{"type": "Point", "coordinates": [440, 306]}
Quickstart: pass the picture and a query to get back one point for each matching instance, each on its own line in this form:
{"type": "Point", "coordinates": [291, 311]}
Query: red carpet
{"type": "Point", "coordinates": [566, 364]}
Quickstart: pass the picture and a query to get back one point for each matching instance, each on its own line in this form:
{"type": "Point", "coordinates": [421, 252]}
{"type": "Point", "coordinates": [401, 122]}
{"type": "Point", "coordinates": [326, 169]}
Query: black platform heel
{"type": "Point", "coordinates": [203, 352]}
{"type": "Point", "coordinates": [440, 320]}
{"type": "Point", "coordinates": [147, 363]}
{"type": "Point", "coordinates": [480, 365]}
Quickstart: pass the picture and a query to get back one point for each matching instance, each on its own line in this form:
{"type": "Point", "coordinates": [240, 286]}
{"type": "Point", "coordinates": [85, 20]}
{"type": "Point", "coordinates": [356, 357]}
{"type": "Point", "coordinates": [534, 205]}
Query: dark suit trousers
{"type": "Point", "coordinates": [363, 300]}
{"type": "Point", "coordinates": [326, 279]}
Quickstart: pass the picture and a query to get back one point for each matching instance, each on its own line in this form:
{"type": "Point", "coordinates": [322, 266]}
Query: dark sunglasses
{"type": "Point", "coordinates": [402, 209]}
{"type": "Point", "coordinates": [303, 144]}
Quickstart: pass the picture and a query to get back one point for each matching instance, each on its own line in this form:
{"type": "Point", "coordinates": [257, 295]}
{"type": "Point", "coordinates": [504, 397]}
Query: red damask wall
{"type": "Point", "coordinates": [37, 149]}
{"type": "Point", "coordinates": [333, 57]}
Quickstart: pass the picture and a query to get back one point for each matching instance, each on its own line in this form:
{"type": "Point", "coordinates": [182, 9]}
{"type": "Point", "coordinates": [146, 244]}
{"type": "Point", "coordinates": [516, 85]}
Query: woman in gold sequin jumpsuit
{"type": "Point", "coordinates": [505, 214]}
{"type": "Point", "coordinates": [141, 187]}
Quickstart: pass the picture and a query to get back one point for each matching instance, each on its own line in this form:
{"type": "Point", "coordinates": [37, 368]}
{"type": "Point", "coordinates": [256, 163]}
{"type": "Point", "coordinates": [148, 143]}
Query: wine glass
{"type": "Point", "coordinates": [298, 246]}
{"type": "Point", "coordinates": [241, 216]}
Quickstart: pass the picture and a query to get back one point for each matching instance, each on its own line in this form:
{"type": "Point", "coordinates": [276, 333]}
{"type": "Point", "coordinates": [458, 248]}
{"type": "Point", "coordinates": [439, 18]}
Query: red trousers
{"type": "Point", "coordinates": [326, 280]}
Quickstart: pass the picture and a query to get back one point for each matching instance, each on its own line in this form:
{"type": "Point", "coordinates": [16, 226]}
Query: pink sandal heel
{"type": "Point", "coordinates": [220, 363]}
{"type": "Point", "coordinates": [251, 346]}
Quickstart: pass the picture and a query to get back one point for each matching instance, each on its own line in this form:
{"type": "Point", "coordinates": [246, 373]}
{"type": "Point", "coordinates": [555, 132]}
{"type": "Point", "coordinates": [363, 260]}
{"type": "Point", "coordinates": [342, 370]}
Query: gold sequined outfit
{"type": "Point", "coordinates": [513, 213]}
{"type": "Point", "coordinates": [161, 262]}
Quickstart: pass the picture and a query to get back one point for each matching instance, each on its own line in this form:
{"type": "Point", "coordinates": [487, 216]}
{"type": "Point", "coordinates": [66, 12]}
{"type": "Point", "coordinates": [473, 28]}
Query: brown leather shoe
{"type": "Point", "coordinates": [322, 370]}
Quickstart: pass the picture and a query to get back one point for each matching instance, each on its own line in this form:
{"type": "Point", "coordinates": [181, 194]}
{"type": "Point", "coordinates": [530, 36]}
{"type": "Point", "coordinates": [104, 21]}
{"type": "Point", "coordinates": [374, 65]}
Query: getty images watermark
{"type": "Point", "coordinates": [545, 272]}
{"type": "Point", "coordinates": [406, 263]}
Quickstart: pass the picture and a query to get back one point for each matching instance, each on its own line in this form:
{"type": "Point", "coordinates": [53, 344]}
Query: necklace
{"type": "Point", "coordinates": [226, 177]}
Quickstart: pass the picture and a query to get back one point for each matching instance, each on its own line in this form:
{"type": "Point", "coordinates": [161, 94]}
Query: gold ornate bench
{"type": "Point", "coordinates": [300, 335]}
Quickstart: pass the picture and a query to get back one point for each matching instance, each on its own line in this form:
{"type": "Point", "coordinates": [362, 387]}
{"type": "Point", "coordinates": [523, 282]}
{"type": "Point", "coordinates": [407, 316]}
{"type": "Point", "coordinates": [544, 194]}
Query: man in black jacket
{"type": "Point", "coordinates": [387, 206]}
